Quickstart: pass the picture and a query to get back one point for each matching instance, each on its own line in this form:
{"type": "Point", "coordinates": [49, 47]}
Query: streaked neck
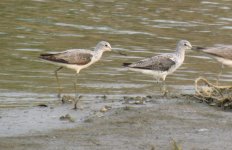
{"type": "Point", "coordinates": [180, 52]}
{"type": "Point", "coordinates": [98, 53]}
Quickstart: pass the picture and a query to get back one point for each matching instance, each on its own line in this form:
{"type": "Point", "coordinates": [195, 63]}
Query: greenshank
{"type": "Point", "coordinates": [160, 66]}
{"type": "Point", "coordinates": [75, 59]}
{"type": "Point", "coordinates": [221, 53]}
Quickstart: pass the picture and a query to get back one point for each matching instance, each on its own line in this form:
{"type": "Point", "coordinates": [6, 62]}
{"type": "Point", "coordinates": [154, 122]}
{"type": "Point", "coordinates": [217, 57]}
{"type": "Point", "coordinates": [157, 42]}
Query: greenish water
{"type": "Point", "coordinates": [138, 28]}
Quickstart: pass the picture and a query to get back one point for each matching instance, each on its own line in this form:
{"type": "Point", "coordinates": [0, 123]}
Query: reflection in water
{"type": "Point", "coordinates": [138, 28]}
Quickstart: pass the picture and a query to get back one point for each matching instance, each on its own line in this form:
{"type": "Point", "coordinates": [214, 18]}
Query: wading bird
{"type": "Point", "coordinates": [75, 59]}
{"type": "Point", "coordinates": [221, 53]}
{"type": "Point", "coordinates": [160, 66]}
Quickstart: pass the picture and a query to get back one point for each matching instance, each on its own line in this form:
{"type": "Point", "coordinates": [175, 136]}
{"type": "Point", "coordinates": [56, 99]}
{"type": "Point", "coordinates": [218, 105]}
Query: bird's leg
{"type": "Point", "coordinates": [159, 83]}
{"type": "Point", "coordinates": [76, 99]}
{"type": "Point", "coordinates": [219, 74]}
{"type": "Point", "coordinates": [58, 81]}
{"type": "Point", "coordinates": [164, 88]}
{"type": "Point", "coordinates": [157, 80]}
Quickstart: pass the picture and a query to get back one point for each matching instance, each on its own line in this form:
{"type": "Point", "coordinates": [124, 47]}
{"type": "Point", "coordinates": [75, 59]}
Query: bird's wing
{"type": "Point", "coordinates": [159, 63]}
{"type": "Point", "coordinates": [224, 51]}
{"type": "Point", "coordinates": [74, 56]}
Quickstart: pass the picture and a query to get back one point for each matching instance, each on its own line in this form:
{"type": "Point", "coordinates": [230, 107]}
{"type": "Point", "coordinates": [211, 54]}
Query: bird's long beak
{"type": "Point", "coordinates": [119, 53]}
{"type": "Point", "coordinates": [190, 46]}
{"type": "Point", "coordinates": [110, 49]}
{"type": "Point", "coordinates": [196, 47]}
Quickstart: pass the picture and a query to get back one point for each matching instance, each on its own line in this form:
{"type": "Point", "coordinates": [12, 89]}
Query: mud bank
{"type": "Point", "coordinates": [152, 125]}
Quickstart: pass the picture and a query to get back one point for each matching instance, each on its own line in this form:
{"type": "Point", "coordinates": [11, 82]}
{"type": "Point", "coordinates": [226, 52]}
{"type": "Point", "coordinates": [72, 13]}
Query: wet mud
{"type": "Point", "coordinates": [153, 124]}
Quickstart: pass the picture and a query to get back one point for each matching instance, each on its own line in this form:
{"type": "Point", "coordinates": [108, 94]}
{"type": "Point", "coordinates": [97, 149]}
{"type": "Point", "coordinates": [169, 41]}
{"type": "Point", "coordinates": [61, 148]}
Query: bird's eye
{"type": "Point", "coordinates": [185, 44]}
{"type": "Point", "coordinates": [106, 45]}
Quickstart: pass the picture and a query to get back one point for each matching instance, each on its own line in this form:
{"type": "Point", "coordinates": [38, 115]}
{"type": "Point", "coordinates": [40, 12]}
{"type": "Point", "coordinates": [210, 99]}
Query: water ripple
{"type": "Point", "coordinates": [103, 28]}
{"type": "Point", "coordinates": [227, 27]}
{"type": "Point", "coordinates": [29, 49]}
{"type": "Point", "coordinates": [226, 19]}
{"type": "Point", "coordinates": [174, 23]}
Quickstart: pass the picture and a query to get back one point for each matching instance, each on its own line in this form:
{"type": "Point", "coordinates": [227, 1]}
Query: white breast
{"type": "Point", "coordinates": [224, 61]}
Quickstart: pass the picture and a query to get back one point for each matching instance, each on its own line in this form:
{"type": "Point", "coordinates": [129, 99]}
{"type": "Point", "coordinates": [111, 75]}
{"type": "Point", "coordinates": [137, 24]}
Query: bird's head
{"type": "Point", "coordinates": [184, 44]}
{"type": "Point", "coordinates": [104, 46]}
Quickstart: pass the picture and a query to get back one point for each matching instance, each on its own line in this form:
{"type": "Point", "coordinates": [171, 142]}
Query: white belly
{"type": "Point", "coordinates": [157, 74]}
{"type": "Point", "coordinates": [226, 62]}
{"type": "Point", "coordinates": [77, 68]}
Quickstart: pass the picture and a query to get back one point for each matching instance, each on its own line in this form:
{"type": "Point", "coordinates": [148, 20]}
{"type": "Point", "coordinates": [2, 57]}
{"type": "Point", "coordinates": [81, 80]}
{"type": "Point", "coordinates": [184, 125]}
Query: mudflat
{"type": "Point", "coordinates": [151, 125]}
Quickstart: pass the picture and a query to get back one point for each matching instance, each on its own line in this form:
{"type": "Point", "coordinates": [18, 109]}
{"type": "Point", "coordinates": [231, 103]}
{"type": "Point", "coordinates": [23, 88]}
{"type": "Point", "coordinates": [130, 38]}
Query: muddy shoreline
{"type": "Point", "coordinates": [152, 125]}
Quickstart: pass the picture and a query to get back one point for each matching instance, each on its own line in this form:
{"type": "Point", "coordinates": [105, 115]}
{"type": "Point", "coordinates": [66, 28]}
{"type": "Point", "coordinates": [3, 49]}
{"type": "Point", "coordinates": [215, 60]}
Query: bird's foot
{"type": "Point", "coordinates": [164, 90]}
{"type": "Point", "coordinates": [165, 93]}
{"type": "Point", "coordinates": [77, 106]}
{"type": "Point", "coordinates": [60, 98]}
{"type": "Point", "coordinates": [59, 93]}
{"type": "Point", "coordinates": [77, 103]}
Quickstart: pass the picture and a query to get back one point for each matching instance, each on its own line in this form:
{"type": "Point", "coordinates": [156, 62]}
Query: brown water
{"type": "Point", "coordinates": [138, 28]}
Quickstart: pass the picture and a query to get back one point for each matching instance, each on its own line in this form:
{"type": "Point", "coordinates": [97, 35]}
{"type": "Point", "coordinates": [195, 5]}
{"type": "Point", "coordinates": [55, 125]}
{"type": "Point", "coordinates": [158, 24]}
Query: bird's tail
{"type": "Point", "coordinates": [126, 64]}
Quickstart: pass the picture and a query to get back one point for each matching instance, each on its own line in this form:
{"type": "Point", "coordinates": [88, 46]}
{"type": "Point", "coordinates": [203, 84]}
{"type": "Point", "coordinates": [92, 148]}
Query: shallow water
{"type": "Point", "coordinates": [137, 28]}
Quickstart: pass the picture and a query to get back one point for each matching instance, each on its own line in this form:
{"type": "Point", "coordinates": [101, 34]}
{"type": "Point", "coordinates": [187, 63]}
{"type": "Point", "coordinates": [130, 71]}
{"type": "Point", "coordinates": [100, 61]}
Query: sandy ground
{"type": "Point", "coordinates": [153, 125]}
